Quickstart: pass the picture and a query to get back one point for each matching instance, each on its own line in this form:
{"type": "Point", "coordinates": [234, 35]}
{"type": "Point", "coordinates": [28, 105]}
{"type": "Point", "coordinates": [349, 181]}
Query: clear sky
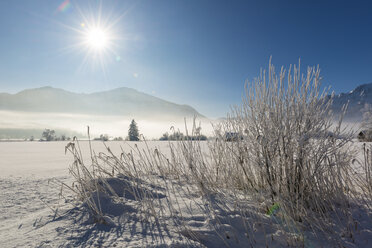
{"type": "Point", "coordinates": [192, 52]}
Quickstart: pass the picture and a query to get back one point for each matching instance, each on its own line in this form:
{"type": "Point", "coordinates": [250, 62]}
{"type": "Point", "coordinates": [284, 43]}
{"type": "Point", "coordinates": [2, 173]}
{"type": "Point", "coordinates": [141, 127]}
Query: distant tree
{"type": "Point", "coordinates": [63, 137]}
{"type": "Point", "coordinates": [164, 137]}
{"type": "Point", "coordinates": [103, 137]}
{"type": "Point", "coordinates": [180, 136]}
{"type": "Point", "coordinates": [49, 135]}
{"type": "Point", "coordinates": [174, 136]}
{"type": "Point", "coordinates": [133, 134]}
{"type": "Point", "coordinates": [32, 138]}
{"type": "Point", "coordinates": [199, 137]}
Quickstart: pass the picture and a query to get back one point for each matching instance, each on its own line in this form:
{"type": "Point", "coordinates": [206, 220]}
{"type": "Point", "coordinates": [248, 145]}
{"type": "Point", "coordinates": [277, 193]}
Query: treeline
{"type": "Point", "coordinates": [166, 136]}
{"type": "Point", "coordinates": [50, 135]}
{"type": "Point", "coordinates": [133, 135]}
{"type": "Point", "coordinates": [105, 137]}
{"type": "Point", "coordinates": [180, 136]}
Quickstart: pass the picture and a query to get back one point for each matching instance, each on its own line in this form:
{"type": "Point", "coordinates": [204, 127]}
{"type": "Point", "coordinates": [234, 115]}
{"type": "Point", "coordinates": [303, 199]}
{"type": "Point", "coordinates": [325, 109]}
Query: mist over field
{"type": "Point", "coordinates": [109, 112]}
{"type": "Point", "coordinates": [76, 124]}
{"type": "Point", "coordinates": [28, 112]}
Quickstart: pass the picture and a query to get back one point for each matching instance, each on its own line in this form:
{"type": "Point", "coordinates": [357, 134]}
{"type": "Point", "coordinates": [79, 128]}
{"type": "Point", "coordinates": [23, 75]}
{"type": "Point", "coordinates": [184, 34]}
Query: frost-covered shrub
{"type": "Point", "coordinates": [284, 150]}
{"type": "Point", "coordinates": [287, 149]}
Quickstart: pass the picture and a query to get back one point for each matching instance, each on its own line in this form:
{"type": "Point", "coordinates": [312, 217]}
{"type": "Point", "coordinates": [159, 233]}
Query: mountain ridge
{"type": "Point", "coordinates": [119, 101]}
{"type": "Point", "coordinates": [358, 101]}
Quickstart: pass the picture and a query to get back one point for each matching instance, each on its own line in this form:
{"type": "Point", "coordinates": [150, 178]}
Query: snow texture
{"type": "Point", "coordinates": [30, 195]}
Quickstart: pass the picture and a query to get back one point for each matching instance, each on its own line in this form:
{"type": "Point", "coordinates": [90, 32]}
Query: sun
{"type": "Point", "coordinates": [97, 35]}
{"type": "Point", "coordinates": [97, 39]}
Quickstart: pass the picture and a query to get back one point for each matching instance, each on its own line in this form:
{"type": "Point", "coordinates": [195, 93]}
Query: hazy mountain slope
{"type": "Point", "coordinates": [358, 101]}
{"type": "Point", "coordinates": [121, 101]}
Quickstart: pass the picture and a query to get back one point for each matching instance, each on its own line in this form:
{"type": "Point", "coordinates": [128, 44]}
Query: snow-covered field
{"type": "Point", "coordinates": [28, 195]}
{"type": "Point", "coordinates": [30, 187]}
{"type": "Point", "coordinates": [29, 190]}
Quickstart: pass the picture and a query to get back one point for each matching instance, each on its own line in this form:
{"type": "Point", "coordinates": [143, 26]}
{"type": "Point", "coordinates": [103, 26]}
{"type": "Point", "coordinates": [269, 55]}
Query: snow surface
{"type": "Point", "coordinates": [28, 195]}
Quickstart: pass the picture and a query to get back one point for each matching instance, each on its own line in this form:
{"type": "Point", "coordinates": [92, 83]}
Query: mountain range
{"type": "Point", "coordinates": [121, 101]}
{"type": "Point", "coordinates": [132, 103]}
{"type": "Point", "coordinates": [358, 102]}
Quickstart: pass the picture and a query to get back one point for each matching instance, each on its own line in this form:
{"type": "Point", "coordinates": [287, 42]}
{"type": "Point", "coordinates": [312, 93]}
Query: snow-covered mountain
{"type": "Point", "coordinates": [359, 101]}
{"type": "Point", "coordinates": [121, 101]}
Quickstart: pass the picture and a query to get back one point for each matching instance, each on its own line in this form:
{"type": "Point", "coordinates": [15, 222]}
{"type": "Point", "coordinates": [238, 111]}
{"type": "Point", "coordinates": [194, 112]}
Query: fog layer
{"type": "Point", "coordinates": [113, 125]}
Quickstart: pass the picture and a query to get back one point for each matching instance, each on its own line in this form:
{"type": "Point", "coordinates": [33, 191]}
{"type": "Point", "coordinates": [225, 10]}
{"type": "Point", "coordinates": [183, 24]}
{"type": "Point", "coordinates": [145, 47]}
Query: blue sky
{"type": "Point", "coordinates": [192, 52]}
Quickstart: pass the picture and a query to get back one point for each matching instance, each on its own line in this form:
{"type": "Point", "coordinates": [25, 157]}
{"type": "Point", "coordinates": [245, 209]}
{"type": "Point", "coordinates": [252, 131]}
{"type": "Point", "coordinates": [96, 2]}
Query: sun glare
{"type": "Point", "coordinates": [96, 35]}
{"type": "Point", "coordinates": [97, 39]}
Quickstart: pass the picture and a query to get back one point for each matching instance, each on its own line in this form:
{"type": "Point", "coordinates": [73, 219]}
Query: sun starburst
{"type": "Point", "coordinates": [95, 36]}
